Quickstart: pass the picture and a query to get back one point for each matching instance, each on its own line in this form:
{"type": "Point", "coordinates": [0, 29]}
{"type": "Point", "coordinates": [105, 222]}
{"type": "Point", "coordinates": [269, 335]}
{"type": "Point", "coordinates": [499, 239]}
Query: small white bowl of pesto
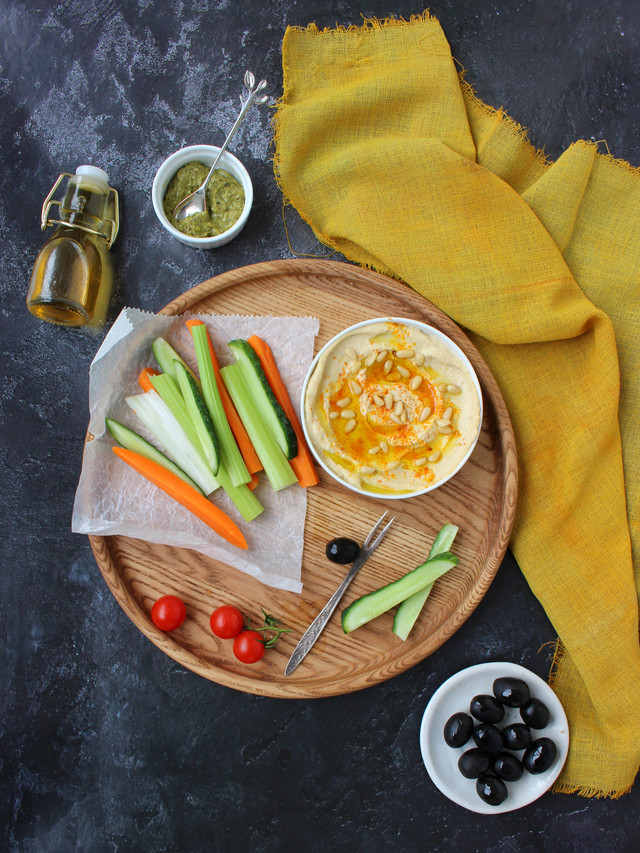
{"type": "Point", "coordinates": [229, 196]}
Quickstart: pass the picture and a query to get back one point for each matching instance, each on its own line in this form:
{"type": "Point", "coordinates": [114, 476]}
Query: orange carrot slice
{"type": "Point", "coordinates": [237, 427]}
{"type": "Point", "coordinates": [173, 486]}
{"type": "Point", "coordinates": [144, 380]}
{"type": "Point", "coordinates": [303, 464]}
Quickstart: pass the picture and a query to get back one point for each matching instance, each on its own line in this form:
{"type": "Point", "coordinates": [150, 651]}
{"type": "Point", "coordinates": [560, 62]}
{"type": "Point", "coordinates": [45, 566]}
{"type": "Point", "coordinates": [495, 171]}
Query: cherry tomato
{"type": "Point", "coordinates": [248, 646]}
{"type": "Point", "coordinates": [226, 622]}
{"type": "Point", "coordinates": [168, 613]}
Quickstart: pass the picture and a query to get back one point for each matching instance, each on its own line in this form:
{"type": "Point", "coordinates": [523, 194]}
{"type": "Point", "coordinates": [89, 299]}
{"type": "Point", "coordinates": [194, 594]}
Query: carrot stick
{"type": "Point", "coordinates": [237, 427]}
{"type": "Point", "coordinates": [253, 482]}
{"type": "Point", "coordinates": [303, 464]}
{"type": "Point", "coordinates": [173, 486]}
{"type": "Point", "coordinates": [144, 380]}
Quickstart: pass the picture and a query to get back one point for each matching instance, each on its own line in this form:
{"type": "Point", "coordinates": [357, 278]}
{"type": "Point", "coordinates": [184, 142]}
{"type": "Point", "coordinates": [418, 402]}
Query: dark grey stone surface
{"type": "Point", "coordinates": [105, 743]}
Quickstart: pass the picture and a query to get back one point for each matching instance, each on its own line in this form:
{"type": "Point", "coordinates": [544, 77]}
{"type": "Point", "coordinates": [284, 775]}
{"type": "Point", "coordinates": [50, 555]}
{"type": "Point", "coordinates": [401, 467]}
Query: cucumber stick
{"type": "Point", "coordinates": [410, 608]}
{"type": "Point", "coordinates": [132, 441]}
{"type": "Point", "coordinates": [160, 421]}
{"type": "Point", "coordinates": [376, 603]}
{"type": "Point", "coordinates": [274, 462]}
{"type": "Point", "coordinates": [166, 357]}
{"type": "Point", "coordinates": [272, 412]}
{"type": "Point", "coordinates": [199, 415]}
{"type": "Point", "coordinates": [229, 452]}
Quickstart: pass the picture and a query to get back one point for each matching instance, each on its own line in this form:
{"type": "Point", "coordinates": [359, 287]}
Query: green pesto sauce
{"type": "Point", "coordinates": [225, 200]}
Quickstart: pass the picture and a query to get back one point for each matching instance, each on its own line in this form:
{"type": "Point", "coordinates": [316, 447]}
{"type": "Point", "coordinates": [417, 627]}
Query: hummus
{"type": "Point", "coordinates": [391, 409]}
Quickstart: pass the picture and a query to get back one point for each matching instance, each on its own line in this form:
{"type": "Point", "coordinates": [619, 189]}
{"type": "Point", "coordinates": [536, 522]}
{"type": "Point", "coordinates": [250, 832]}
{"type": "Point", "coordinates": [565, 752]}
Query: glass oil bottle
{"type": "Point", "coordinates": [72, 277]}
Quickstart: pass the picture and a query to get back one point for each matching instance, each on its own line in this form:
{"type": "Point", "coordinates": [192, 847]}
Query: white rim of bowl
{"type": "Point", "coordinates": [407, 322]}
{"type": "Point", "coordinates": [169, 168]}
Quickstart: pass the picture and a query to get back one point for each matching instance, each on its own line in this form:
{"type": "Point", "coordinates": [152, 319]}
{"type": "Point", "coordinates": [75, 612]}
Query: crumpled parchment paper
{"type": "Point", "coordinates": [111, 498]}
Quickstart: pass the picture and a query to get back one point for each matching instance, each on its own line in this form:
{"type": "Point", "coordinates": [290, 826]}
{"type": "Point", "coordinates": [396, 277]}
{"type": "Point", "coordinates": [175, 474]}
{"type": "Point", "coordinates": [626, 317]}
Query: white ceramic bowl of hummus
{"type": "Point", "coordinates": [391, 408]}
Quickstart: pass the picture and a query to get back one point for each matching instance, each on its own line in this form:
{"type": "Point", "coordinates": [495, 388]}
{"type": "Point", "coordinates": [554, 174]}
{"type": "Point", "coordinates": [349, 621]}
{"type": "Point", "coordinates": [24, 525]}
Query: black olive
{"type": "Point", "coordinates": [516, 736]}
{"type": "Point", "coordinates": [535, 714]}
{"type": "Point", "coordinates": [512, 692]}
{"type": "Point", "coordinates": [540, 755]}
{"type": "Point", "coordinates": [488, 737]}
{"type": "Point", "coordinates": [506, 766]}
{"type": "Point", "coordinates": [473, 763]}
{"type": "Point", "coordinates": [342, 550]}
{"type": "Point", "coordinates": [457, 729]}
{"type": "Point", "coordinates": [486, 708]}
{"type": "Point", "coordinates": [493, 791]}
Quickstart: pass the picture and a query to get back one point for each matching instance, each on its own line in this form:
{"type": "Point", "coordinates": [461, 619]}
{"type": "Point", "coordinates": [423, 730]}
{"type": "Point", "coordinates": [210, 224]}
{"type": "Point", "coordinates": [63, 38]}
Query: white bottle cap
{"type": "Point", "coordinates": [93, 172]}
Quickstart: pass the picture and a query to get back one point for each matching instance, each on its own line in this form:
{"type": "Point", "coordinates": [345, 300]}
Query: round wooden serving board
{"type": "Point", "coordinates": [481, 499]}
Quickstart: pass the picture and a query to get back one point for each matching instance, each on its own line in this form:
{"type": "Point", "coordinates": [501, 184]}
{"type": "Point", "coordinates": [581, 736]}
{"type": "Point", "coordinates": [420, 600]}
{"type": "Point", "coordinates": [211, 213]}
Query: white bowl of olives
{"type": "Point", "coordinates": [494, 737]}
{"type": "Point", "coordinates": [229, 196]}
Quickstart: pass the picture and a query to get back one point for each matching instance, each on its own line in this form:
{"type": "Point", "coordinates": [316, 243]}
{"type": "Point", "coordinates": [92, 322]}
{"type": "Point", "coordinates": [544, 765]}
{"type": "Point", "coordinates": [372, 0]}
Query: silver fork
{"type": "Point", "coordinates": [317, 626]}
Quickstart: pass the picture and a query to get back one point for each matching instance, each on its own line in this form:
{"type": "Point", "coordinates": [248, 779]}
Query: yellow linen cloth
{"type": "Point", "coordinates": [386, 152]}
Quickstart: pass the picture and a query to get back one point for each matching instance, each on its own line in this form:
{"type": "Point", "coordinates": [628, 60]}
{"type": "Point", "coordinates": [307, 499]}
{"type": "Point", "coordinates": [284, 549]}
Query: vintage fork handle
{"type": "Point", "coordinates": [315, 629]}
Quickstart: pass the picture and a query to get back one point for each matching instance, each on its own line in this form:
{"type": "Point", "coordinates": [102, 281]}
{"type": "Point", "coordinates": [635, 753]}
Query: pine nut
{"type": "Point", "coordinates": [395, 418]}
{"type": "Point", "coordinates": [422, 460]}
{"type": "Point", "coordinates": [355, 367]}
{"type": "Point", "coordinates": [415, 383]}
{"type": "Point", "coordinates": [384, 447]}
{"type": "Point", "coordinates": [404, 353]}
{"type": "Point", "coordinates": [393, 465]}
{"type": "Point", "coordinates": [367, 469]}
{"type": "Point", "coordinates": [397, 409]}
{"type": "Point", "coordinates": [344, 401]}
{"type": "Point", "coordinates": [388, 400]}
{"type": "Point", "coordinates": [347, 414]}
{"type": "Point", "coordinates": [334, 415]}
{"type": "Point", "coordinates": [443, 422]}
{"type": "Point", "coordinates": [403, 371]}
{"type": "Point", "coordinates": [351, 354]}
{"type": "Point", "coordinates": [387, 367]}
{"type": "Point", "coordinates": [453, 389]}
{"type": "Point", "coordinates": [355, 387]}
{"type": "Point", "coordinates": [444, 430]}
{"type": "Point", "coordinates": [447, 413]}
{"type": "Point", "coordinates": [434, 456]}
{"type": "Point", "coordinates": [424, 414]}
{"type": "Point", "coordinates": [374, 450]}
{"type": "Point", "coordinates": [350, 425]}
{"type": "Point", "coordinates": [381, 355]}
{"type": "Point", "coordinates": [370, 359]}
{"type": "Point", "coordinates": [404, 417]}
{"type": "Point", "coordinates": [419, 359]}
{"type": "Point", "coordinates": [378, 400]}
{"type": "Point", "coordinates": [442, 386]}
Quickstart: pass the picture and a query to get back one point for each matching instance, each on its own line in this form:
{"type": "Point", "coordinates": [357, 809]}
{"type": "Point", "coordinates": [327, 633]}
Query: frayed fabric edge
{"type": "Point", "coordinates": [367, 25]}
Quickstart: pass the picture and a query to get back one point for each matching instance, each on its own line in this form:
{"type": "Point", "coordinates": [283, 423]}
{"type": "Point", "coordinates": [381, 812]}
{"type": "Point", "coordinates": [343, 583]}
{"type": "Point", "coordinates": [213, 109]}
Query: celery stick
{"type": "Point", "coordinates": [274, 462]}
{"type": "Point", "coordinates": [231, 456]}
{"type": "Point", "coordinates": [410, 608]}
{"type": "Point", "coordinates": [168, 389]}
{"type": "Point", "coordinates": [245, 501]}
{"type": "Point", "coordinates": [159, 420]}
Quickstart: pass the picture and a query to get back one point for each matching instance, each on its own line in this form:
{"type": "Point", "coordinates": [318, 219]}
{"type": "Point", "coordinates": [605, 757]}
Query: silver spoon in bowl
{"type": "Point", "coordinates": [196, 202]}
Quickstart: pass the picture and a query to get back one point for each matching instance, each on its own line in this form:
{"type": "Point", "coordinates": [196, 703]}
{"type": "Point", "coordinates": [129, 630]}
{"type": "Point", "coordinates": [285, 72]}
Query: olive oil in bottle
{"type": "Point", "coordinates": [72, 277]}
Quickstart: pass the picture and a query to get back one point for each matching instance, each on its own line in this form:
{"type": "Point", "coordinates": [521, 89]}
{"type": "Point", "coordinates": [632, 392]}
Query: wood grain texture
{"type": "Point", "coordinates": [481, 499]}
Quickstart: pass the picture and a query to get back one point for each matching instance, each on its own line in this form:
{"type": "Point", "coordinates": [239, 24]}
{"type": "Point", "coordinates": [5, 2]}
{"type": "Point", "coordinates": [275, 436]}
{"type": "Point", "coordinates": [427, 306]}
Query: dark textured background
{"type": "Point", "coordinates": [105, 743]}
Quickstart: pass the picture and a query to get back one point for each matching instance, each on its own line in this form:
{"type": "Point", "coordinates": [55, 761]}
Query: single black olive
{"type": "Point", "coordinates": [540, 755]}
{"type": "Point", "coordinates": [493, 791]}
{"type": "Point", "coordinates": [473, 763]}
{"type": "Point", "coordinates": [488, 737]}
{"type": "Point", "coordinates": [486, 708]}
{"type": "Point", "coordinates": [506, 766]}
{"type": "Point", "coordinates": [516, 736]}
{"type": "Point", "coordinates": [342, 550]}
{"type": "Point", "coordinates": [512, 692]}
{"type": "Point", "coordinates": [457, 729]}
{"type": "Point", "coordinates": [535, 714]}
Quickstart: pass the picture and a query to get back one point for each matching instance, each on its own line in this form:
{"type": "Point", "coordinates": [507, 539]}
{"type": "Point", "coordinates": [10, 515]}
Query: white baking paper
{"type": "Point", "coordinates": [112, 499]}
